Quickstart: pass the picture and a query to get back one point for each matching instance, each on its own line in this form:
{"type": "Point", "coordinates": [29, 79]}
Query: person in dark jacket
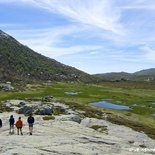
{"type": "Point", "coordinates": [11, 121]}
{"type": "Point", "coordinates": [0, 123]}
{"type": "Point", "coordinates": [30, 121]}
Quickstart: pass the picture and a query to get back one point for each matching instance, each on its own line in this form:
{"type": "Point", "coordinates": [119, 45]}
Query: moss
{"type": "Point", "coordinates": [59, 111]}
{"type": "Point", "coordinates": [134, 124]}
{"type": "Point", "coordinates": [100, 128]}
{"type": "Point", "coordinates": [142, 146]}
{"type": "Point", "coordinates": [48, 118]}
{"type": "Point", "coordinates": [4, 108]}
{"type": "Point", "coordinates": [131, 141]}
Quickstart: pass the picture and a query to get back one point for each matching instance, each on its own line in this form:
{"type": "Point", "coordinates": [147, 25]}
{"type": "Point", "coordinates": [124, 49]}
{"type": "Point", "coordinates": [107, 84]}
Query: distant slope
{"type": "Point", "coordinates": [143, 75]}
{"type": "Point", "coordinates": [114, 76]}
{"type": "Point", "coordinates": [147, 72]}
{"type": "Point", "coordinates": [18, 62]}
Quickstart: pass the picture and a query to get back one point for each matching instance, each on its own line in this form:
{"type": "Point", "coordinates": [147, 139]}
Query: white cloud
{"type": "Point", "coordinates": [149, 52]}
{"type": "Point", "coordinates": [100, 14]}
{"type": "Point", "coordinates": [45, 41]}
{"type": "Point", "coordinates": [55, 52]}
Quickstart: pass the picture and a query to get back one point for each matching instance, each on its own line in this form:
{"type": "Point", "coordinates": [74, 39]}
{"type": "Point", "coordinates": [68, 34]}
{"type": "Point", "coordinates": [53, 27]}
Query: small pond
{"type": "Point", "coordinates": [71, 93]}
{"type": "Point", "coordinates": [153, 115]}
{"type": "Point", "coordinates": [107, 104]}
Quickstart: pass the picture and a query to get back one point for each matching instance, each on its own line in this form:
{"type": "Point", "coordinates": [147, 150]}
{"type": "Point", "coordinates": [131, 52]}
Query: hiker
{"type": "Point", "coordinates": [0, 123]}
{"type": "Point", "coordinates": [12, 121]}
{"type": "Point", "coordinates": [19, 125]}
{"type": "Point", "coordinates": [30, 121]}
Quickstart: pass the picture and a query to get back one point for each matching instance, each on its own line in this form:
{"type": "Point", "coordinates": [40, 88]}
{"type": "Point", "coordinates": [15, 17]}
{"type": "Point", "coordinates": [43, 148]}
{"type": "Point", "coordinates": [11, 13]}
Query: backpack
{"type": "Point", "coordinates": [19, 124]}
{"type": "Point", "coordinates": [12, 121]}
{"type": "Point", "coordinates": [30, 120]}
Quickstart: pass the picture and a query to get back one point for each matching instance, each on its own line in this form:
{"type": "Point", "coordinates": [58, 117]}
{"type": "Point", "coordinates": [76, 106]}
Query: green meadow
{"type": "Point", "coordinates": [125, 93]}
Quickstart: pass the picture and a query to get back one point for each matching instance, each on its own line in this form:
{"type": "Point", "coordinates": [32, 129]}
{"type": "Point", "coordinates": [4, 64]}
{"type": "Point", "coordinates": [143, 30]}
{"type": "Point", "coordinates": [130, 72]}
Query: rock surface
{"type": "Point", "coordinates": [67, 137]}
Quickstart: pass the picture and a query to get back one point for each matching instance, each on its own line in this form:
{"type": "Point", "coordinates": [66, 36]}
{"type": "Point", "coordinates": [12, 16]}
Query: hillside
{"type": "Point", "coordinates": [18, 62]}
{"type": "Point", "coordinates": [114, 76]}
{"type": "Point", "coordinates": [143, 75]}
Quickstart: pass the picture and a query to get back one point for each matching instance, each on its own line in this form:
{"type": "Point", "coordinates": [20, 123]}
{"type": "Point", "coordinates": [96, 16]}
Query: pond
{"type": "Point", "coordinates": [71, 93]}
{"type": "Point", "coordinates": [107, 104]}
{"type": "Point", "coordinates": [153, 115]}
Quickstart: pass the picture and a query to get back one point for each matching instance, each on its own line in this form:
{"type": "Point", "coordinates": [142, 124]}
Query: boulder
{"type": "Point", "coordinates": [47, 98]}
{"type": "Point", "coordinates": [74, 118]}
{"type": "Point", "coordinates": [21, 104]}
{"type": "Point", "coordinates": [44, 110]}
{"type": "Point", "coordinates": [26, 110]}
{"type": "Point", "coordinates": [6, 87]}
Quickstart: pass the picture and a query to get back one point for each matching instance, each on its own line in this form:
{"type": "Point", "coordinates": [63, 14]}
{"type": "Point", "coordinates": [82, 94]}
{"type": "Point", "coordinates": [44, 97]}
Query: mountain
{"type": "Point", "coordinates": [18, 62]}
{"type": "Point", "coordinates": [150, 72]}
{"type": "Point", "coordinates": [114, 76]}
{"type": "Point", "coordinates": [143, 75]}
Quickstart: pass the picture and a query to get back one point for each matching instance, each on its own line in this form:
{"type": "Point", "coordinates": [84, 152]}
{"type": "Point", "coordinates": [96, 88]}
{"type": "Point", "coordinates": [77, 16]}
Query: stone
{"type": "Point", "coordinates": [26, 110]}
{"type": "Point", "coordinates": [74, 118]}
{"type": "Point", "coordinates": [47, 99]}
{"type": "Point", "coordinates": [70, 138]}
{"type": "Point", "coordinates": [6, 87]}
{"type": "Point", "coordinates": [44, 110]}
{"type": "Point", "coordinates": [21, 104]}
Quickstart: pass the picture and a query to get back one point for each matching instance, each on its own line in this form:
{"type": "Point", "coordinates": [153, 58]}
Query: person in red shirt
{"type": "Point", "coordinates": [19, 125]}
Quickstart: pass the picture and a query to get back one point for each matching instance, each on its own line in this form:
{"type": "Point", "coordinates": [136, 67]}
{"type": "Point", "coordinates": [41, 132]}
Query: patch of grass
{"type": "Point", "coordinates": [142, 146]}
{"type": "Point", "coordinates": [138, 123]}
{"type": "Point", "coordinates": [131, 141]}
{"type": "Point", "coordinates": [100, 128]}
{"type": "Point", "coordinates": [46, 118]}
{"type": "Point", "coordinates": [58, 111]}
{"type": "Point", "coordinates": [4, 108]}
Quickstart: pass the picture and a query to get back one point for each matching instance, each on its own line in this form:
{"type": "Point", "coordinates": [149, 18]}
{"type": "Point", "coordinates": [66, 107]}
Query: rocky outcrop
{"type": "Point", "coordinates": [26, 110]}
{"type": "Point", "coordinates": [38, 110]}
{"type": "Point", "coordinates": [55, 137]}
{"type": "Point", "coordinates": [44, 110]}
{"type": "Point", "coordinates": [6, 87]}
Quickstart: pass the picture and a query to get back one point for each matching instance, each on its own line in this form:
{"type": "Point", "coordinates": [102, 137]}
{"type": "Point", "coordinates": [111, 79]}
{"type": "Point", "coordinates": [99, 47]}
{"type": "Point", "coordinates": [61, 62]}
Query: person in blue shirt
{"type": "Point", "coordinates": [0, 123]}
{"type": "Point", "coordinates": [11, 121]}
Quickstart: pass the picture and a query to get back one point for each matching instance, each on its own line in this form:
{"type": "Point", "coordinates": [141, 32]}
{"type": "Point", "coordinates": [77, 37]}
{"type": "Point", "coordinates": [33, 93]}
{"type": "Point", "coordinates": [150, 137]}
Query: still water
{"type": "Point", "coordinates": [107, 104]}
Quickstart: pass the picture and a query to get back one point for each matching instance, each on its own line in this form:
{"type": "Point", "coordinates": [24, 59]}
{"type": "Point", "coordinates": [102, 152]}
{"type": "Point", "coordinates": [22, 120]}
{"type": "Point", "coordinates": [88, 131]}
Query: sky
{"type": "Point", "coordinates": [95, 36]}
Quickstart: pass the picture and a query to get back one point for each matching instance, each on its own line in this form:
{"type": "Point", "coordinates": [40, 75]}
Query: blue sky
{"type": "Point", "coordinates": [95, 36]}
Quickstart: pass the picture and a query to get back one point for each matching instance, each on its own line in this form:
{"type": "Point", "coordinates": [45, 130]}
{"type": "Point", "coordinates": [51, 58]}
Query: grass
{"type": "Point", "coordinates": [100, 128]}
{"type": "Point", "coordinates": [127, 93]}
{"type": "Point", "coordinates": [142, 146]}
{"type": "Point", "coordinates": [4, 108]}
{"type": "Point", "coordinates": [59, 111]}
{"type": "Point", "coordinates": [46, 118]}
{"type": "Point", "coordinates": [91, 93]}
{"type": "Point", "coordinates": [131, 141]}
